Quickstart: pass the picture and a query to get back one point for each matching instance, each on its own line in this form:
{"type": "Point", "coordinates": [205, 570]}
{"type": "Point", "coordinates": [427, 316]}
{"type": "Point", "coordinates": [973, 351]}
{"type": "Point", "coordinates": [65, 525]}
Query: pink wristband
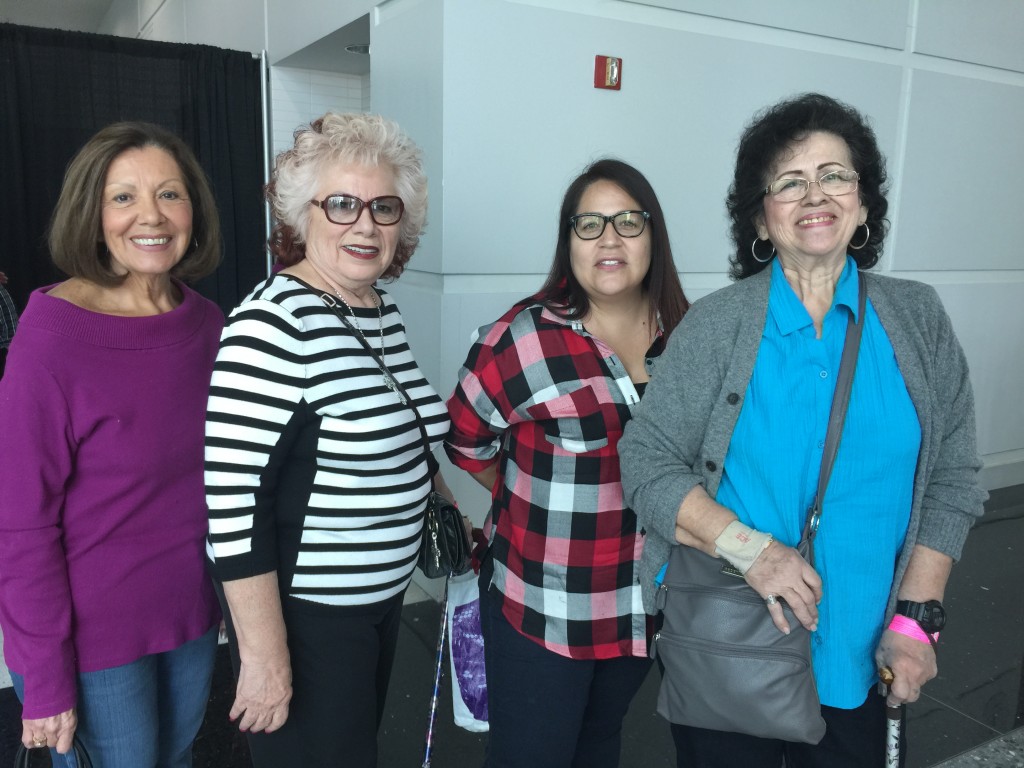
{"type": "Point", "coordinates": [907, 626]}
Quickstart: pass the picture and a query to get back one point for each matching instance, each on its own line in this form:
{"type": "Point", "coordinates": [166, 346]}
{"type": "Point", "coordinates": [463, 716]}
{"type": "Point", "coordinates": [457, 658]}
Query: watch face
{"type": "Point", "coordinates": [933, 617]}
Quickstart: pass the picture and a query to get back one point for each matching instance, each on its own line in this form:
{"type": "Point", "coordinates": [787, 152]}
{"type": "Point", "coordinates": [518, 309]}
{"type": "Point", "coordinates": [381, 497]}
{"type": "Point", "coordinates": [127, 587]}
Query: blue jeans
{"type": "Point", "coordinates": [145, 714]}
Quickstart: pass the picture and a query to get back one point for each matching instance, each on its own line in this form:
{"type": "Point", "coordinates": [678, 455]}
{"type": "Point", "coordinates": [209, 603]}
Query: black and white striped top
{"type": "Point", "coordinates": [314, 468]}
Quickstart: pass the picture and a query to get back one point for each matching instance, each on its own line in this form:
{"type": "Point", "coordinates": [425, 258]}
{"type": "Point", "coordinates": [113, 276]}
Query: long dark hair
{"type": "Point", "coordinates": [562, 292]}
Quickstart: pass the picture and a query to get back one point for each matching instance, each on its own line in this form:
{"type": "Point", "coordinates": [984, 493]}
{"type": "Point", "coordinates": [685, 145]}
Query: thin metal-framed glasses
{"type": "Point", "coordinates": [590, 226]}
{"type": "Point", "coordinates": [346, 209]}
{"type": "Point", "coordinates": [833, 184]}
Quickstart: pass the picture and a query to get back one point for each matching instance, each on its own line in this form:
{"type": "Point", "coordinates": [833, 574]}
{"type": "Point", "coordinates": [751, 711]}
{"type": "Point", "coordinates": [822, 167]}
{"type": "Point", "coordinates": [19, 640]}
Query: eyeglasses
{"type": "Point", "coordinates": [833, 184]}
{"type": "Point", "coordinates": [346, 209]}
{"type": "Point", "coordinates": [590, 226]}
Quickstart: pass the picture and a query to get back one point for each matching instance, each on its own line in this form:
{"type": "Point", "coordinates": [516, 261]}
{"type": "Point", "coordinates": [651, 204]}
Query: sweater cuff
{"type": "Point", "coordinates": [49, 691]}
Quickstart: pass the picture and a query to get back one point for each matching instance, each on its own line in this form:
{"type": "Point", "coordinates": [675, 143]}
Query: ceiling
{"type": "Point", "coordinates": [327, 54]}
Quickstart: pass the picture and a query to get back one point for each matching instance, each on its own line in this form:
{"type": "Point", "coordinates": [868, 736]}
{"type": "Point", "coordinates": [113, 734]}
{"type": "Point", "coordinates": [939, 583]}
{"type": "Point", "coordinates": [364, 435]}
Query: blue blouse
{"type": "Point", "coordinates": [772, 466]}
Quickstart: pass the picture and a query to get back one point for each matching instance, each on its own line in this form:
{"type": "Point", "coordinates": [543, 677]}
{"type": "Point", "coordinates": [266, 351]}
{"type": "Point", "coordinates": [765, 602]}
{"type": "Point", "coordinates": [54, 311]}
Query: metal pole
{"type": "Point", "coordinates": [442, 633]}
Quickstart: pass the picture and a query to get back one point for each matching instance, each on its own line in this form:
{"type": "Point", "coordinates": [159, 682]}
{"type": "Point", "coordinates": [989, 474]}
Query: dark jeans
{"type": "Point", "coordinates": [550, 711]}
{"type": "Point", "coordinates": [341, 661]}
{"type": "Point", "coordinates": [854, 738]}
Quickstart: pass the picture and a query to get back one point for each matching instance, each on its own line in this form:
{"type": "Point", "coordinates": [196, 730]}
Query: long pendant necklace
{"type": "Point", "coordinates": [389, 379]}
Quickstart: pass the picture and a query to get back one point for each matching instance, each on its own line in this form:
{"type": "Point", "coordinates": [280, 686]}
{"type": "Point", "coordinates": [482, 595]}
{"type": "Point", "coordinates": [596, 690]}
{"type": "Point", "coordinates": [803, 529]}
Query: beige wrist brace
{"type": "Point", "coordinates": [741, 545]}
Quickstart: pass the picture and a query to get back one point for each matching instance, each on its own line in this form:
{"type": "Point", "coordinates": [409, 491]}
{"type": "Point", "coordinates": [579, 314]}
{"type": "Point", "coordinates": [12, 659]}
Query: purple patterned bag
{"type": "Point", "coordinates": [469, 678]}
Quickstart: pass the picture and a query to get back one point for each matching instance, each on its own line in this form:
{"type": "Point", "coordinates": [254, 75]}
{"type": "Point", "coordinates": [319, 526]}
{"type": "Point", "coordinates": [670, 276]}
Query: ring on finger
{"type": "Point", "coordinates": [771, 600]}
{"type": "Point", "coordinates": [39, 741]}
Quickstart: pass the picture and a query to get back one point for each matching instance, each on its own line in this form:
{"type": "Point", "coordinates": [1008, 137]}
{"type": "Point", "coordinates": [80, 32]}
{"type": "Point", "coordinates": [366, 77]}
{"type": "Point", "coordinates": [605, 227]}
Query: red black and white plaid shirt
{"type": "Point", "coordinates": [548, 402]}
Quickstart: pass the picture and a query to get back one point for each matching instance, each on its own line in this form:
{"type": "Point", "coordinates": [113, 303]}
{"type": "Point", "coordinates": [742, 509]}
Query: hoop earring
{"type": "Point", "coordinates": [867, 236]}
{"type": "Point", "coordinates": [753, 252]}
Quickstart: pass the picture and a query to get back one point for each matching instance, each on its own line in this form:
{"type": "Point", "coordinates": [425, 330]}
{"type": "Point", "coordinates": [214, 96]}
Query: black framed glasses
{"type": "Point", "coordinates": [833, 184]}
{"type": "Point", "coordinates": [346, 209]}
{"type": "Point", "coordinates": [590, 226]}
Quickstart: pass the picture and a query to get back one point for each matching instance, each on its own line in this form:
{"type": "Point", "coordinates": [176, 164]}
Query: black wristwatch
{"type": "Point", "coordinates": [931, 615]}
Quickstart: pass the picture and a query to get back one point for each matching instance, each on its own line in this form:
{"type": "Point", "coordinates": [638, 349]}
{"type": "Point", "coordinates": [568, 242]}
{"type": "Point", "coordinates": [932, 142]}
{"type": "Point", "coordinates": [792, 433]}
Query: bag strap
{"type": "Point", "coordinates": [332, 304]}
{"type": "Point", "coordinates": [840, 403]}
{"type": "Point", "coordinates": [23, 757]}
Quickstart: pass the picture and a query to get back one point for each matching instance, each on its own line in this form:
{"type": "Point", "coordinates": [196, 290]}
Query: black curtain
{"type": "Point", "coordinates": [58, 88]}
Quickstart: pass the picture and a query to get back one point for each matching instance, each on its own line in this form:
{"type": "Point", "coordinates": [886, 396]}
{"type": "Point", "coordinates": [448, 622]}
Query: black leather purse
{"type": "Point", "coordinates": [445, 549]}
{"type": "Point", "coordinates": [23, 757]}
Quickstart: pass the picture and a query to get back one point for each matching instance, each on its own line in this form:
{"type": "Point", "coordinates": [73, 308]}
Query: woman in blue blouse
{"type": "Point", "coordinates": [724, 452]}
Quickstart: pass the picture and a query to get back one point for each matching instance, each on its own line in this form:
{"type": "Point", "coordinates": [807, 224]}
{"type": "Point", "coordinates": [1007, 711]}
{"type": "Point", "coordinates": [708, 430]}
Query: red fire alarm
{"type": "Point", "coordinates": [608, 72]}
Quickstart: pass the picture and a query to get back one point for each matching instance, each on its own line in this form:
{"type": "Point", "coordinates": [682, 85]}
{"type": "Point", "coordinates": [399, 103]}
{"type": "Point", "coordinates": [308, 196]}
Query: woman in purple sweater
{"type": "Point", "coordinates": [109, 618]}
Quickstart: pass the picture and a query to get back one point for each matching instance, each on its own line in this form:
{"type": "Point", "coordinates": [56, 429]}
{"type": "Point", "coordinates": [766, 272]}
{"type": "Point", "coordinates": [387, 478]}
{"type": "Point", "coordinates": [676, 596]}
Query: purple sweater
{"type": "Point", "coordinates": [102, 508]}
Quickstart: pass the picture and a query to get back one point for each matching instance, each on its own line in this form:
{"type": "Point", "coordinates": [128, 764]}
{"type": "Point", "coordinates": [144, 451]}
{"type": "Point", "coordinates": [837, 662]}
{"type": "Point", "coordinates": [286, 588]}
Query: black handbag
{"type": "Point", "coordinates": [23, 757]}
{"type": "Point", "coordinates": [726, 665]}
{"type": "Point", "coordinates": [445, 549]}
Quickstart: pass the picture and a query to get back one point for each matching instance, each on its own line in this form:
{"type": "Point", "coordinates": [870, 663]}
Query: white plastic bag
{"type": "Point", "coordinates": [466, 645]}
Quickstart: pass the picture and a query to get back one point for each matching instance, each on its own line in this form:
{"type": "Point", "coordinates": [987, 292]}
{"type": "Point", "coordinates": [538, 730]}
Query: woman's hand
{"type": "Point", "coordinates": [912, 663]}
{"type": "Point", "coordinates": [264, 688]}
{"type": "Point", "coordinates": [780, 571]}
{"type": "Point", "coordinates": [263, 694]}
{"type": "Point", "coordinates": [57, 731]}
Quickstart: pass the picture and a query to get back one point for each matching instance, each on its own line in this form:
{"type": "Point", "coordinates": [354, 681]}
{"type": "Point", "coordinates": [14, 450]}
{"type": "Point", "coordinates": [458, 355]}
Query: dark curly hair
{"type": "Point", "coordinates": [563, 293]}
{"type": "Point", "coordinates": [770, 133]}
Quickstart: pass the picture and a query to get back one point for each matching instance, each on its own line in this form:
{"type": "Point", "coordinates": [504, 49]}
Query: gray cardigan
{"type": "Point", "coordinates": [680, 434]}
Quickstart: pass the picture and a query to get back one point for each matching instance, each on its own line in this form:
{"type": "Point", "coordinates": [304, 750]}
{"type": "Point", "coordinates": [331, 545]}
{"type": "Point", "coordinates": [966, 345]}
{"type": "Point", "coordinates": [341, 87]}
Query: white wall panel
{"type": "Point", "coordinates": [519, 127]}
{"type": "Point", "coordinates": [990, 32]}
{"type": "Point", "coordinates": [963, 144]}
{"type": "Point", "coordinates": [235, 24]}
{"type": "Point", "coordinates": [988, 318]}
{"type": "Point", "coordinates": [167, 24]}
{"type": "Point", "coordinates": [148, 9]}
{"type": "Point", "coordinates": [407, 79]}
{"type": "Point", "coordinates": [122, 19]}
{"type": "Point", "coordinates": [878, 23]}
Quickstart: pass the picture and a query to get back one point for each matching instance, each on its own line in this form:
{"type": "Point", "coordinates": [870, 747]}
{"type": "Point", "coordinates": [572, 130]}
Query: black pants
{"type": "Point", "coordinates": [547, 710]}
{"type": "Point", "coordinates": [341, 661]}
{"type": "Point", "coordinates": [854, 738]}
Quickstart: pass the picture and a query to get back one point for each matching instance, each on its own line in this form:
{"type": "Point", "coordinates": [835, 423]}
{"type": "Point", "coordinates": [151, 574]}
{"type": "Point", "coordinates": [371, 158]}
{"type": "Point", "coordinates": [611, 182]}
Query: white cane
{"type": "Point", "coordinates": [893, 721]}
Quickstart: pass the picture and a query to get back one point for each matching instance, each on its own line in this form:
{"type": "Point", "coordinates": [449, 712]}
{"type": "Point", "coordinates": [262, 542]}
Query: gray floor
{"type": "Point", "coordinates": [971, 715]}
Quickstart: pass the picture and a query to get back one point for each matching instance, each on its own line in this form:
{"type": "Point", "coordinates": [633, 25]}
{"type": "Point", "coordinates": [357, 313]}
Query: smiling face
{"type": "Point", "coordinates": [147, 215]}
{"type": "Point", "coordinates": [818, 228]}
{"type": "Point", "coordinates": [352, 255]}
{"type": "Point", "coordinates": [611, 267]}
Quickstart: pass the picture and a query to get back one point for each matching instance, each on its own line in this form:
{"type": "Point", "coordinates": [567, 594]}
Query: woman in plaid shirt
{"type": "Point", "coordinates": [536, 418]}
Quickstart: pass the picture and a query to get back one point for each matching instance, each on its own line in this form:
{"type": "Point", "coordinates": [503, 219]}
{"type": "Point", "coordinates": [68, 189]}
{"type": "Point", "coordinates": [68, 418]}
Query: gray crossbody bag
{"type": "Point", "coordinates": [726, 666]}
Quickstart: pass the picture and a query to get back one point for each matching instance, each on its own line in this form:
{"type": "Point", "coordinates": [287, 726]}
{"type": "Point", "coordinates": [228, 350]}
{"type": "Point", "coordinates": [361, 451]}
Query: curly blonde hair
{"type": "Point", "coordinates": [357, 139]}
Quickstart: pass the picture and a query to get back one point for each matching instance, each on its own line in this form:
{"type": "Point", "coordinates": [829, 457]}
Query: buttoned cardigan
{"type": "Point", "coordinates": [680, 434]}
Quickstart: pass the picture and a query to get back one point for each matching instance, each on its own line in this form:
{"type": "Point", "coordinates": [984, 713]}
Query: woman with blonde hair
{"type": "Point", "coordinates": [316, 472]}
